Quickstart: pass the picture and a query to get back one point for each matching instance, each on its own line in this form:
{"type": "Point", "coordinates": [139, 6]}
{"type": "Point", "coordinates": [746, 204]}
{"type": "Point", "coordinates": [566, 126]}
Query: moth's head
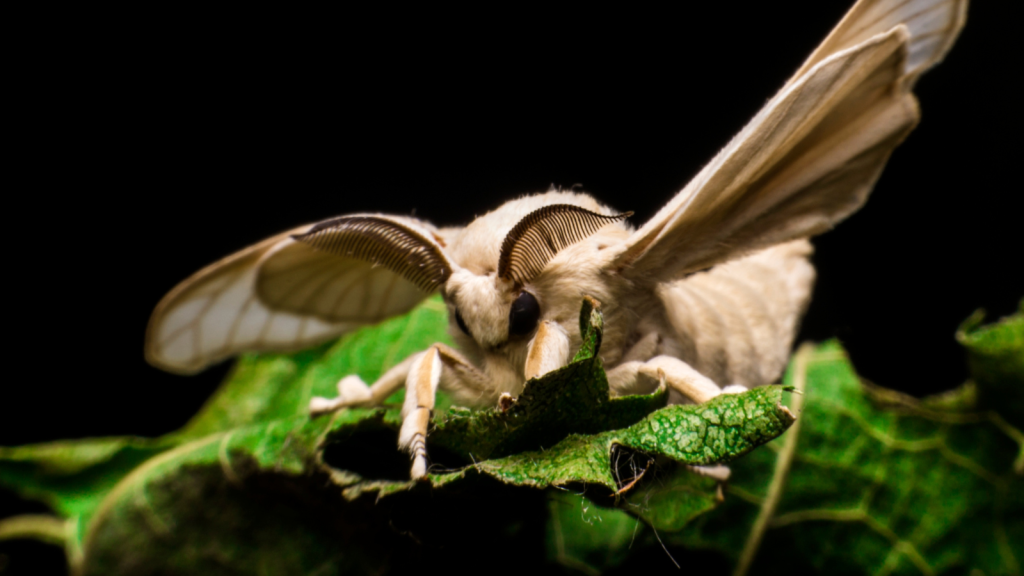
{"type": "Point", "coordinates": [483, 307]}
{"type": "Point", "coordinates": [499, 289]}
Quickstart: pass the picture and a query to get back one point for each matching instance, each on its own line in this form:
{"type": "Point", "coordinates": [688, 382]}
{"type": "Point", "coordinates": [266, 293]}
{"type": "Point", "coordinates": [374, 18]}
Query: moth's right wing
{"type": "Point", "coordinates": [933, 26]}
{"type": "Point", "coordinates": [292, 291]}
{"type": "Point", "coordinates": [810, 157]}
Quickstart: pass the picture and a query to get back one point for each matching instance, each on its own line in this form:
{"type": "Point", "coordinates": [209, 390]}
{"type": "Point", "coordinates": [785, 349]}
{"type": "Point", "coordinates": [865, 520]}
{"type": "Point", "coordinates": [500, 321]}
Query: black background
{"type": "Point", "coordinates": [149, 145]}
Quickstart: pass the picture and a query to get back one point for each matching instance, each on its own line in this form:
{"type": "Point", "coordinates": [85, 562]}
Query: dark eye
{"type": "Point", "coordinates": [461, 323]}
{"type": "Point", "coordinates": [523, 316]}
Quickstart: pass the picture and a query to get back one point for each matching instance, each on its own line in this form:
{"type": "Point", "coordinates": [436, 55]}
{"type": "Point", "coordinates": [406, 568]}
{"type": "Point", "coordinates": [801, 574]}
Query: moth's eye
{"type": "Point", "coordinates": [523, 316]}
{"type": "Point", "coordinates": [461, 323]}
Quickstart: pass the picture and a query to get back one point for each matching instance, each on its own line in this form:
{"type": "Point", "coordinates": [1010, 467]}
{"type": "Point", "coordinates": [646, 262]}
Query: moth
{"type": "Point", "coordinates": [705, 297]}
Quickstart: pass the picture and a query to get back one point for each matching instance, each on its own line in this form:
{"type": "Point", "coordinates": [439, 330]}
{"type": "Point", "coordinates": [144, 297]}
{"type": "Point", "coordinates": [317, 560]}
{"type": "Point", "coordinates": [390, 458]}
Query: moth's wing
{"type": "Point", "coordinates": [215, 313]}
{"type": "Point", "coordinates": [810, 157]}
{"type": "Point", "coordinates": [277, 295]}
{"type": "Point", "coordinates": [933, 26]}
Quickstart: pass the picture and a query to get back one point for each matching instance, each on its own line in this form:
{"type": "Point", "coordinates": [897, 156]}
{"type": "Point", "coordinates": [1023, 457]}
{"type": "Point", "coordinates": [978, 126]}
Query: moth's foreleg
{"type": "Point", "coordinates": [549, 350]}
{"type": "Point", "coordinates": [420, 390]}
{"type": "Point", "coordinates": [641, 377]}
{"type": "Point", "coordinates": [426, 372]}
{"type": "Point", "coordinates": [352, 391]}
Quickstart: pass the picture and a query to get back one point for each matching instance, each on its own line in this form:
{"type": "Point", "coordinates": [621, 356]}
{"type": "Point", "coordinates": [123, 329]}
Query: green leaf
{"type": "Point", "coordinates": [872, 481]}
{"type": "Point", "coordinates": [717, 431]}
{"type": "Point", "coordinates": [995, 354]}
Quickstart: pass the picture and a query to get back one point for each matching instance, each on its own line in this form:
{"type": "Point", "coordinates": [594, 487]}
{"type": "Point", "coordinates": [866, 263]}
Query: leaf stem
{"type": "Point", "coordinates": [42, 527]}
{"type": "Point", "coordinates": [782, 463]}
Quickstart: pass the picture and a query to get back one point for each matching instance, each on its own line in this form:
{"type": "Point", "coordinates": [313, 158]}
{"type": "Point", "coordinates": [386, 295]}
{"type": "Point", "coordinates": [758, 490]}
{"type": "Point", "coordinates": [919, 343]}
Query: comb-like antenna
{"type": "Point", "coordinates": [542, 233]}
{"type": "Point", "coordinates": [382, 242]}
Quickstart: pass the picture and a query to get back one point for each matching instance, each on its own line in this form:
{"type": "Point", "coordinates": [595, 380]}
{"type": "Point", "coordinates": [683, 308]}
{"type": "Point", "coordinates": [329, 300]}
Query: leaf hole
{"type": "Point", "coordinates": [372, 454]}
{"type": "Point", "coordinates": [444, 460]}
{"type": "Point", "coordinates": [629, 466]}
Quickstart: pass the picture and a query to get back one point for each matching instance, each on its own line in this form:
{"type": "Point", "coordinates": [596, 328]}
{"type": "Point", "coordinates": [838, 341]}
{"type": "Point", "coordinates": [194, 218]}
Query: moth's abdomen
{"type": "Point", "coordinates": [736, 322]}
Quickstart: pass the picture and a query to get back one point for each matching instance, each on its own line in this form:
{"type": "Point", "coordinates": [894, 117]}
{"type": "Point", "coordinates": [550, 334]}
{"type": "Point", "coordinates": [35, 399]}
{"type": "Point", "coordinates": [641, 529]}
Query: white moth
{"type": "Point", "coordinates": [706, 295]}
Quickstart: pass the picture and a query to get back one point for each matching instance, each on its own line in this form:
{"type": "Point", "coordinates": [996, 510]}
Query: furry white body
{"type": "Point", "coordinates": [707, 295]}
{"type": "Point", "coordinates": [734, 323]}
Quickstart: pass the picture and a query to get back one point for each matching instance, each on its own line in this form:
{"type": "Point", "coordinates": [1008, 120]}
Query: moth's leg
{"type": "Point", "coordinates": [641, 377]}
{"type": "Point", "coordinates": [352, 391]}
{"type": "Point", "coordinates": [425, 374]}
{"type": "Point", "coordinates": [549, 350]}
{"type": "Point", "coordinates": [420, 390]}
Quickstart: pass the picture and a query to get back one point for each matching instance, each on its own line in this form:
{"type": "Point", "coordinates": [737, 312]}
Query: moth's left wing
{"type": "Point", "coordinates": [216, 313]}
{"type": "Point", "coordinates": [810, 157]}
{"type": "Point", "coordinates": [297, 289]}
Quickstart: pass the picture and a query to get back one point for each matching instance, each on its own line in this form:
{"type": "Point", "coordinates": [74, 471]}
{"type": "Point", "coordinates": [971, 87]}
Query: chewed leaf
{"type": "Point", "coordinates": [564, 427]}
{"type": "Point", "coordinates": [718, 431]}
